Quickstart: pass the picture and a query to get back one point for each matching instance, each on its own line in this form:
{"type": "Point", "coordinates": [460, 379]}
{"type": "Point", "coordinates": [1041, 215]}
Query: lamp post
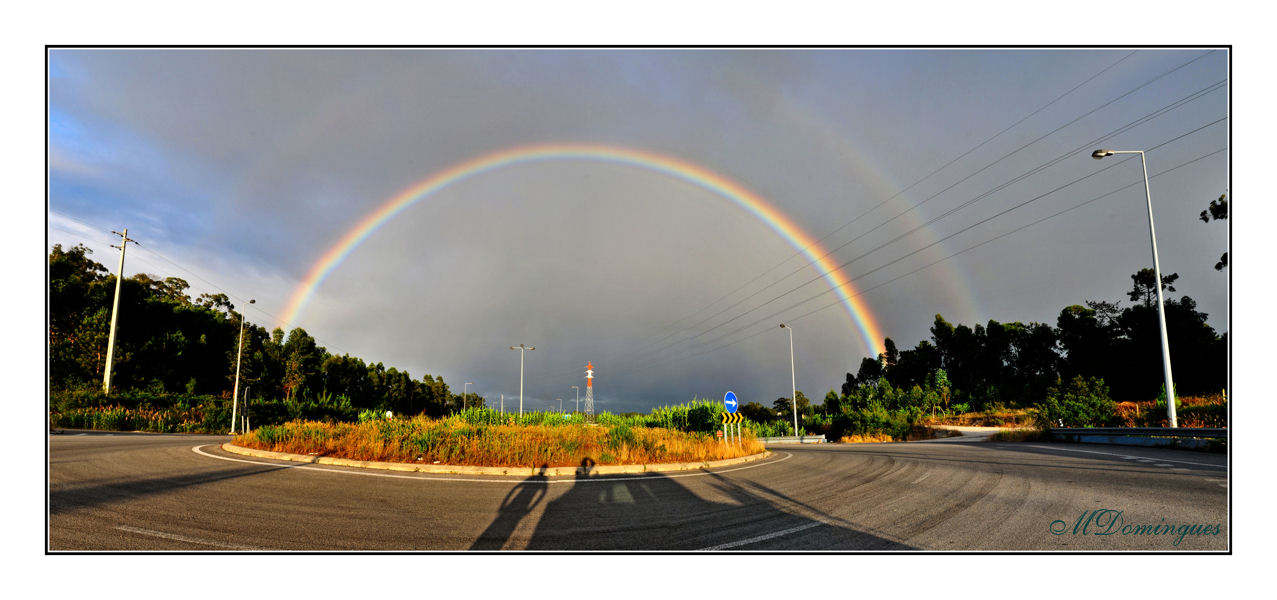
{"type": "Point", "coordinates": [521, 348]}
{"type": "Point", "coordinates": [239, 354]}
{"type": "Point", "coordinates": [1157, 283]}
{"type": "Point", "coordinates": [463, 393]}
{"type": "Point", "coordinates": [560, 405]}
{"type": "Point", "coordinates": [793, 400]}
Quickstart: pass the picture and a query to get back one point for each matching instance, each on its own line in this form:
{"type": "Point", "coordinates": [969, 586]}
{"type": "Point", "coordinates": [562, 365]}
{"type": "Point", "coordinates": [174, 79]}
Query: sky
{"type": "Point", "coordinates": [657, 212]}
{"type": "Point", "coordinates": [237, 193]}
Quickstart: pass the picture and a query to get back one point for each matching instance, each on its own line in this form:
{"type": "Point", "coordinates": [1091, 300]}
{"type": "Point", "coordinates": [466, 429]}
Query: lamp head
{"type": "Point", "coordinates": [1098, 154]}
{"type": "Point", "coordinates": [782, 325]}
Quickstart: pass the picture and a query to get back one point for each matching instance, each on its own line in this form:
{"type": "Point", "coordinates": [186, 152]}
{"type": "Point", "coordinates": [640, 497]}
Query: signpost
{"type": "Point", "coordinates": [731, 416]}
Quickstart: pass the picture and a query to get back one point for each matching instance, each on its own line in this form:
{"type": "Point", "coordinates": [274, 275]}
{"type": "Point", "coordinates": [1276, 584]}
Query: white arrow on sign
{"type": "Point", "coordinates": [729, 400]}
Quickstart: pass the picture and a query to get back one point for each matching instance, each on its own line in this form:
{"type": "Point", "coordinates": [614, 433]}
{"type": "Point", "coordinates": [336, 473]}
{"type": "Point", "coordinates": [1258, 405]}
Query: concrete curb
{"type": "Point", "coordinates": [471, 470]}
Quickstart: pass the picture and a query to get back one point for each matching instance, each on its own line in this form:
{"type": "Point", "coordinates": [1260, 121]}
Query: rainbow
{"type": "Point", "coordinates": [777, 221]}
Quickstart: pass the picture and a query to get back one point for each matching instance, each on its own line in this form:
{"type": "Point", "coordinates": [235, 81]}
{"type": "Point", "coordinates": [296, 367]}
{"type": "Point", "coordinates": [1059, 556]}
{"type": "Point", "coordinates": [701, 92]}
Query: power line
{"type": "Point", "coordinates": [915, 183]}
{"type": "Point", "coordinates": [1061, 157]}
{"type": "Point", "coordinates": [866, 290]}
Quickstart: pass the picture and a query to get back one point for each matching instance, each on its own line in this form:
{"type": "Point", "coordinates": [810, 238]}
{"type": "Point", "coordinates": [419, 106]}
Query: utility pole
{"type": "Point", "coordinates": [115, 311]}
{"type": "Point", "coordinates": [239, 355]}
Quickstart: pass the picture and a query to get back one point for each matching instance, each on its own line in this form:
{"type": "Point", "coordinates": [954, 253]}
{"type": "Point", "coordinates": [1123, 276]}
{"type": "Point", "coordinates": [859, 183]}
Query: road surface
{"type": "Point", "coordinates": [144, 492]}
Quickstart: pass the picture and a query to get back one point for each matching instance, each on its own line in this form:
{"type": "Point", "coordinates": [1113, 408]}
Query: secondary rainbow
{"type": "Point", "coordinates": [753, 204]}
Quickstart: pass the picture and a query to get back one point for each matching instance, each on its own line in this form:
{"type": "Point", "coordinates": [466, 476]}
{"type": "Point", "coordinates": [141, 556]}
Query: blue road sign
{"type": "Point", "coordinates": [729, 400]}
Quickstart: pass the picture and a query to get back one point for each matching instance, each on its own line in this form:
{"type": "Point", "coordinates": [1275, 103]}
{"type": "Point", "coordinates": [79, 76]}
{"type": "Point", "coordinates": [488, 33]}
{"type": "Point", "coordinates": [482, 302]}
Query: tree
{"type": "Point", "coordinates": [1144, 289]}
{"type": "Point", "coordinates": [302, 360]}
{"type": "Point", "coordinates": [870, 371]}
{"type": "Point", "coordinates": [217, 302]}
{"type": "Point", "coordinates": [1085, 341]}
{"type": "Point", "coordinates": [1106, 313]}
{"type": "Point", "coordinates": [79, 314]}
{"type": "Point", "coordinates": [1217, 211]}
{"type": "Point", "coordinates": [849, 385]}
{"type": "Point", "coordinates": [757, 412]}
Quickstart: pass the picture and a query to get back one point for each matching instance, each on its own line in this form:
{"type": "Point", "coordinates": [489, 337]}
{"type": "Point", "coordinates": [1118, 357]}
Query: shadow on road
{"type": "Point", "coordinates": [63, 498]}
{"type": "Point", "coordinates": [657, 512]}
{"type": "Point", "coordinates": [517, 504]}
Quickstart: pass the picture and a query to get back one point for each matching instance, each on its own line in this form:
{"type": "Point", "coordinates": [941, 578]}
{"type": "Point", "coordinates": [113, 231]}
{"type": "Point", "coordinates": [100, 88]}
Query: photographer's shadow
{"type": "Point", "coordinates": [517, 504]}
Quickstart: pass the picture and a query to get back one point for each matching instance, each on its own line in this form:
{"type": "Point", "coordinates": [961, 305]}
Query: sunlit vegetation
{"type": "Point", "coordinates": [483, 437]}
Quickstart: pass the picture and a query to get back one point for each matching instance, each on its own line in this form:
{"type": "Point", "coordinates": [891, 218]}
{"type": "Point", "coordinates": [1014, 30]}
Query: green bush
{"type": "Point", "coordinates": [1080, 403]}
{"type": "Point", "coordinates": [874, 419]}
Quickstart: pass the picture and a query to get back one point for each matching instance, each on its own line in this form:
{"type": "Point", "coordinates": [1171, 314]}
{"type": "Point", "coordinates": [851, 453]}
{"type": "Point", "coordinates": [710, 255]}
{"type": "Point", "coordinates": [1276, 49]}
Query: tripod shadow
{"type": "Point", "coordinates": [517, 504]}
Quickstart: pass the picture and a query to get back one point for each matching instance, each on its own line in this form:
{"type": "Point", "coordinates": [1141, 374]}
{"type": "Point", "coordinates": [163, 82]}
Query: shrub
{"type": "Point", "coordinates": [1080, 403]}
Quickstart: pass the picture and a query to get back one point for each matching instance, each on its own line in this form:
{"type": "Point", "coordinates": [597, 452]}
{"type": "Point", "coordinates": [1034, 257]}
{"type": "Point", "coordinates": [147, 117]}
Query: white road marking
{"type": "Point", "coordinates": [494, 479]}
{"type": "Point", "coordinates": [765, 536]}
{"type": "Point", "coordinates": [182, 538]}
{"type": "Point", "coordinates": [1183, 462]}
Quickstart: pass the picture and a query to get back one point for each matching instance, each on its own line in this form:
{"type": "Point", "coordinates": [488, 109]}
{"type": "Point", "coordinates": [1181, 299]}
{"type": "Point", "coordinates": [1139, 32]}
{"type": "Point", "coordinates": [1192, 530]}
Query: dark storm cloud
{"type": "Point", "coordinates": [264, 158]}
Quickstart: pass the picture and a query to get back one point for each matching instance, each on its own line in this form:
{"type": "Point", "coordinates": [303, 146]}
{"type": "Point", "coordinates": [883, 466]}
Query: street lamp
{"type": "Point", "coordinates": [560, 405]}
{"type": "Point", "coordinates": [1157, 278]}
{"type": "Point", "coordinates": [463, 393]}
{"type": "Point", "coordinates": [578, 397]}
{"type": "Point", "coordinates": [521, 348]}
{"type": "Point", "coordinates": [239, 354]}
{"type": "Point", "coordinates": [792, 379]}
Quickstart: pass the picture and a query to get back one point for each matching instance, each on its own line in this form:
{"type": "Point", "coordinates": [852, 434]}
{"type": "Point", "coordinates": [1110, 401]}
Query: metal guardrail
{"type": "Point", "coordinates": [1175, 432]}
{"type": "Point", "coordinates": [790, 439]}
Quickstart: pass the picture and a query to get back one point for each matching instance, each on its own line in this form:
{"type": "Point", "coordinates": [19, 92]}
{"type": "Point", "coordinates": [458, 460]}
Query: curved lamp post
{"type": "Point", "coordinates": [521, 348]}
{"type": "Point", "coordinates": [1157, 283]}
{"type": "Point", "coordinates": [793, 400]}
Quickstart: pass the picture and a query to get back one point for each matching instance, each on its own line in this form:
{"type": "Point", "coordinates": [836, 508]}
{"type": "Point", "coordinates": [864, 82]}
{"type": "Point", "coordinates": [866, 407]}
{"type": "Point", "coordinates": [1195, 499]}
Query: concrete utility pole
{"type": "Point", "coordinates": [578, 397]}
{"type": "Point", "coordinates": [239, 355]}
{"type": "Point", "coordinates": [115, 311]}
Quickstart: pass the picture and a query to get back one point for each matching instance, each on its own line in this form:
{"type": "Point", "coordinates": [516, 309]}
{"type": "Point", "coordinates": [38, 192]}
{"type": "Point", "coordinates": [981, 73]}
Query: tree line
{"type": "Point", "coordinates": [168, 342]}
{"type": "Point", "coordinates": [1017, 363]}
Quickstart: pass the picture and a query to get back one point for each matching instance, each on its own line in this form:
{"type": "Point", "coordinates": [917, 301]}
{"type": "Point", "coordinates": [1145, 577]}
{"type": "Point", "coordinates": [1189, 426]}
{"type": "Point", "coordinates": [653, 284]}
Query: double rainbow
{"type": "Point", "coordinates": [841, 285]}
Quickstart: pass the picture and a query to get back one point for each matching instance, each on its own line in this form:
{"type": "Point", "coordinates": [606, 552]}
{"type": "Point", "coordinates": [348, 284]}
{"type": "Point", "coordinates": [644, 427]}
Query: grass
{"type": "Point", "coordinates": [1190, 411]}
{"type": "Point", "coordinates": [455, 441]}
{"type": "Point", "coordinates": [1005, 417]}
{"type": "Point", "coordinates": [1019, 435]}
{"type": "Point", "coordinates": [191, 419]}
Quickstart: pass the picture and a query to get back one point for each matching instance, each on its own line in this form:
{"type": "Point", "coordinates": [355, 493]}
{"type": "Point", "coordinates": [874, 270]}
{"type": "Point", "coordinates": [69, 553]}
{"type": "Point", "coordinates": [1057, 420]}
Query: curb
{"type": "Point", "coordinates": [473, 470]}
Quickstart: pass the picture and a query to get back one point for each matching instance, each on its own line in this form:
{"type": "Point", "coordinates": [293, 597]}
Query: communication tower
{"type": "Point", "coordinates": [589, 392]}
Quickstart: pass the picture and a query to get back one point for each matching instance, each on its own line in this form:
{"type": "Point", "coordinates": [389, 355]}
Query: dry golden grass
{"type": "Point", "coordinates": [1193, 411]}
{"type": "Point", "coordinates": [455, 442]}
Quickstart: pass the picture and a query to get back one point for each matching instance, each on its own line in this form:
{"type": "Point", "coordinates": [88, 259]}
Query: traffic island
{"type": "Point", "coordinates": [520, 471]}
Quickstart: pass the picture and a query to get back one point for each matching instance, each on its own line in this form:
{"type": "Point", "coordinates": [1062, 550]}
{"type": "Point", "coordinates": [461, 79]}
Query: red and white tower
{"type": "Point", "coordinates": [589, 392]}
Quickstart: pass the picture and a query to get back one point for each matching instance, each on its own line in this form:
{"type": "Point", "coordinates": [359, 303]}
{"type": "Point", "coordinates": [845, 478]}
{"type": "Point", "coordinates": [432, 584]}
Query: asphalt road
{"type": "Point", "coordinates": [142, 492]}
